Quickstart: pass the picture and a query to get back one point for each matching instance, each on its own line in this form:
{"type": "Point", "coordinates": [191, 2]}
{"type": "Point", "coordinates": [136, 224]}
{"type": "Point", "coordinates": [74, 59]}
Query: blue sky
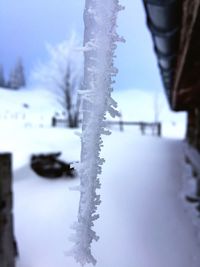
{"type": "Point", "coordinates": [26, 26]}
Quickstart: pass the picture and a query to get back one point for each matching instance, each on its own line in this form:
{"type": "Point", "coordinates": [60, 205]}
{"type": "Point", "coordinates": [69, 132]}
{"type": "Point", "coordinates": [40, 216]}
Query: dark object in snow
{"type": "Point", "coordinates": [48, 165]}
{"type": "Point", "coordinates": [25, 105]}
{"type": "Point", "coordinates": [192, 199]}
{"type": "Point", "coordinates": [15, 248]}
{"type": "Point", "coordinates": [8, 245]}
{"type": "Point", "coordinates": [53, 122]}
{"type": "Point", "coordinates": [198, 207]}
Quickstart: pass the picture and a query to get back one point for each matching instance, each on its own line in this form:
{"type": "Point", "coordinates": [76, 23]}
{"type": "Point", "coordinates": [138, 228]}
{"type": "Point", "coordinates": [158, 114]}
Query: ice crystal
{"type": "Point", "coordinates": [99, 47]}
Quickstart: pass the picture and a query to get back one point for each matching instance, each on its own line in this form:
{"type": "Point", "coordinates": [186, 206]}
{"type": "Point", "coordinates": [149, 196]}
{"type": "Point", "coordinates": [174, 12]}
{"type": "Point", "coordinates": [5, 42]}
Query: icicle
{"type": "Point", "coordinates": [99, 46]}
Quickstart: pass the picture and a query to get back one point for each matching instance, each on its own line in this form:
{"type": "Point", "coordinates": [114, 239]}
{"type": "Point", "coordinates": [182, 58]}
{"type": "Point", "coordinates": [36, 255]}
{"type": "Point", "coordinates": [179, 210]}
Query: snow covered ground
{"type": "Point", "coordinates": [142, 219]}
{"type": "Point", "coordinates": [35, 107]}
{"type": "Point", "coordinates": [143, 222]}
{"type": "Point", "coordinates": [28, 107]}
{"type": "Point", "coordinates": [137, 105]}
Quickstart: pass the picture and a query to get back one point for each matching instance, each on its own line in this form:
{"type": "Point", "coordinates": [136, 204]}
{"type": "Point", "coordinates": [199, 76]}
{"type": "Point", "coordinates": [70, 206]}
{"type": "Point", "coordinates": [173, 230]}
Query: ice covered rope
{"type": "Point", "coordinates": [100, 39]}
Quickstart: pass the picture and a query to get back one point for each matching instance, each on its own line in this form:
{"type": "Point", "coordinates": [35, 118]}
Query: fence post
{"type": "Point", "coordinates": [121, 124]}
{"type": "Point", "coordinates": [7, 243]}
{"type": "Point", "coordinates": [159, 127]}
{"type": "Point", "coordinates": [53, 122]}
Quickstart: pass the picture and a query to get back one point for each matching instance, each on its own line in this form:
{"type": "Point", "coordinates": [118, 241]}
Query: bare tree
{"type": "Point", "coordinates": [71, 106]}
{"type": "Point", "coordinates": [62, 74]}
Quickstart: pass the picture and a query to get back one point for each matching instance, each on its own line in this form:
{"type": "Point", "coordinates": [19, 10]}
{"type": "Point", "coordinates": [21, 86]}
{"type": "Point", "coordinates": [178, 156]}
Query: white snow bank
{"type": "Point", "coordinates": [22, 142]}
{"type": "Point", "coordinates": [27, 107]}
{"type": "Point", "coordinates": [142, 220]}
{"type": "Point", "coordinates": [134, 104]}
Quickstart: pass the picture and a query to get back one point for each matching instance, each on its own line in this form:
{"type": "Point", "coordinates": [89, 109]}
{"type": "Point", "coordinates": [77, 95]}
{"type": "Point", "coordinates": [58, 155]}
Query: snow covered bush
{"type": "Point", "coordinates": [62, 74]}
{"type": "Point", "coordinates": [99, 46]}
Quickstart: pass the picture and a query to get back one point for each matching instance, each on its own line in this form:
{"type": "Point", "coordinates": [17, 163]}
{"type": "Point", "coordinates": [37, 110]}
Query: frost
{"type": "Point", "coordinates": [99, 46]}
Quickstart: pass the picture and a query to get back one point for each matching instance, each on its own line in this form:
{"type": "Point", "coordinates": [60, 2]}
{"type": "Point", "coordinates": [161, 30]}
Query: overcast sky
{"type": "Point", "coordinates": [26, 25]}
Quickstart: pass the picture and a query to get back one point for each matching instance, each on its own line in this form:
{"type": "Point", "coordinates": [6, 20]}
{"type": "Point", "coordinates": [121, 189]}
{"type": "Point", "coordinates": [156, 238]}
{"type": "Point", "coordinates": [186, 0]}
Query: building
{"type": "Point", "coordinates": [175, 30]}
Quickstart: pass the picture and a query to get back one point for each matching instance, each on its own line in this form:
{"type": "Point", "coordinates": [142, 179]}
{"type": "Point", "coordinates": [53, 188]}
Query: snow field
{"type": "Point", "coordinates": [25, 141]}
{"type": "Point", "coordinates": [142, 220]}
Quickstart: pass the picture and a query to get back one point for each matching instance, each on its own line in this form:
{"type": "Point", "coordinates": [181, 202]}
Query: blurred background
{"type": "Point", "coordinates": [32, 31]}
{"type": "Point", "coordinates": [145, 180]}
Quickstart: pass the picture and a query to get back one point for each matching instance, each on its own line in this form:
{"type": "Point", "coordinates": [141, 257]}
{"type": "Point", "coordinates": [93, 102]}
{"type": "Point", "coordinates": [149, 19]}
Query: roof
{"type": "Point", "coordinates": [175, 27]}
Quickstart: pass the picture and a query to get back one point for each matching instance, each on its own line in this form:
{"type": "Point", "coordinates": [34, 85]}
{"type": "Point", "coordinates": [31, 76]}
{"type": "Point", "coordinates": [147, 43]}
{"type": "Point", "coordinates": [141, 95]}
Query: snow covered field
{"type": "Point", "coordinates": [142, 219]}
{"type": "Point", "coordinates": [35, 107]}
{"type": "Point", "coordinates": [143, 222]}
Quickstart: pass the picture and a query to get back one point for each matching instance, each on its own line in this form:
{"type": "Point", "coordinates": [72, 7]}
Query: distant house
{"type": "Point", "coordinates": [175, 29]}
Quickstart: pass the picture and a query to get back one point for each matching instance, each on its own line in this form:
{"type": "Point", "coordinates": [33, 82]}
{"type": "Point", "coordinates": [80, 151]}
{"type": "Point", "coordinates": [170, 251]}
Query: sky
{"type": "Point", "coordinates": [26, 26]}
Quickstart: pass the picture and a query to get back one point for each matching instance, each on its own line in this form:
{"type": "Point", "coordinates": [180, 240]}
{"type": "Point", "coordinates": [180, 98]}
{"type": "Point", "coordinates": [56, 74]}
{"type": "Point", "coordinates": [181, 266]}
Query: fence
{"type": "Point", "coordinates": [155, 128]}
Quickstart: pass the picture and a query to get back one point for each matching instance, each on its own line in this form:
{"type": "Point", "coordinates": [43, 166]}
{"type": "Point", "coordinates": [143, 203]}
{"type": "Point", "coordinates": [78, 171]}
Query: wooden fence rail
{"type": "Point", "coordinates": [155, 127]}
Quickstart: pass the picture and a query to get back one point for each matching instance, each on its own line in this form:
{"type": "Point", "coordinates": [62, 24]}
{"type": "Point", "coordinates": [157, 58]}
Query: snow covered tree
{"type": "Point", "coordinates": [17, 77]}
{"type": "Point", "coordinates": [62, 74]}
{"type": "Point", "coordinates": [2, 79]}
{"type": "Point", "coordinates": [70, 105]}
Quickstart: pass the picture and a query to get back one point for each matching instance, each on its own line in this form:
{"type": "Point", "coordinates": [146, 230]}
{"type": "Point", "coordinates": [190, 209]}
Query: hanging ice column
{"type": "Point", "coordinates": [99, 46]}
